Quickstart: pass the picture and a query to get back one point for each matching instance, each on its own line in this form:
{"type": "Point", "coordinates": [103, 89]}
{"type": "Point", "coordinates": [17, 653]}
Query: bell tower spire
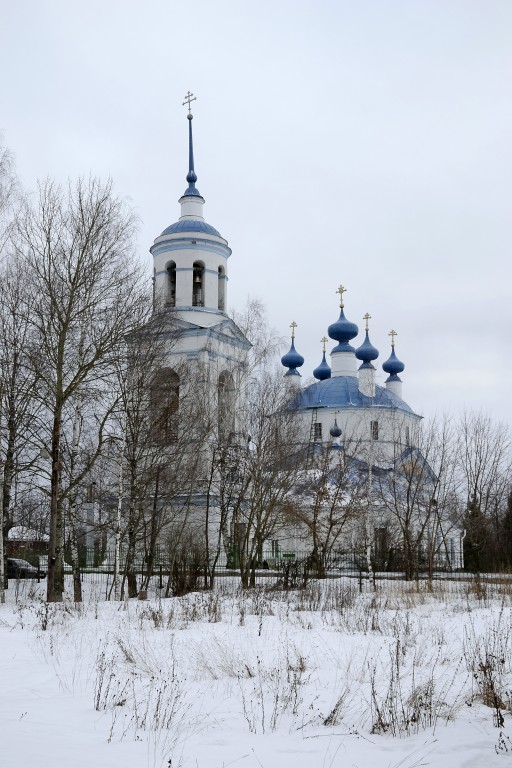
{"type": "Point", "coordinates": [190, 256]}
{"type": "Point", "coordinates": [191, 201]}
{"type": "Point", "coordinates": [191, 175]}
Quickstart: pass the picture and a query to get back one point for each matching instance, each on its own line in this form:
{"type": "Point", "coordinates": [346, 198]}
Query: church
{"type": "Point", "coordinates": [343, 413]}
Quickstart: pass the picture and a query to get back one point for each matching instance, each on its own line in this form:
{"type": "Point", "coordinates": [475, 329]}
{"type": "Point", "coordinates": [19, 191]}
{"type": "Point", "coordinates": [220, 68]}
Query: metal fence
{"type": "Point", "coordinates": [288, 570]}
{"type": "Point", "coordinates": [96, 559]}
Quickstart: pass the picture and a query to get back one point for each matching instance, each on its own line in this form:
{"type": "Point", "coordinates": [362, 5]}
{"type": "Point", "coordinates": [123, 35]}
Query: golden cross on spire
{"type": "Point", "coordinates": [324, 341]}
{"type": "Point", "coordinates": [188, 99]}
{"type": "Point", "coordinates": [341, 290]}
{"type": "Point", "coordinates": [293, 326]}
{"type": "Point", "coordinates": [366, 318]}
{"type": "Point", "coordinates": [392, 334]}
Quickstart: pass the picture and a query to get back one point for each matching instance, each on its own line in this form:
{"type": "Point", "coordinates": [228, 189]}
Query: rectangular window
{"type": "Point", "coordinates": [317, 431]}
{"type": "Point", "coordinates": [374, 430]}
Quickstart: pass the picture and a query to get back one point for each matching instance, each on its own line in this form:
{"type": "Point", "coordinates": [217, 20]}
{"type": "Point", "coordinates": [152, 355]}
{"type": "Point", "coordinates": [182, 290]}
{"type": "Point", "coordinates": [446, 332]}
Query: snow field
{"type": "Point", "coordinates": [324, 677]}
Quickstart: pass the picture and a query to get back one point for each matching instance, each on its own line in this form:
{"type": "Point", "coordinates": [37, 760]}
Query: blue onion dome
{"type": "Point", "coordinates": [343, 331]}
{"type": "Point", "coordinates": [393, 365]}
{"type": "Point", "coordinates": [367, 352]}
{"type": "Point", "coordinates": [292, 360]}
{"type": "Point", "coordinates": [335, 430]}
{"type": "Point", "coordinates": [323, 370]}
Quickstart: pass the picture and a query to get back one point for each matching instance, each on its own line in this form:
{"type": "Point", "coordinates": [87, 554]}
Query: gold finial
{"type": "Point", "coordinates": [392, 334]}
{"type": "Point", "coordinates": [341, 290]}
{"type": "Point", "coordinates": [188, 99]}
{"type": "Point", "coordinates": [293, 326]}
{"type": "Point", "coordinates": [324, 341]}
{"type": "Point", "coordinates": [366, 318]}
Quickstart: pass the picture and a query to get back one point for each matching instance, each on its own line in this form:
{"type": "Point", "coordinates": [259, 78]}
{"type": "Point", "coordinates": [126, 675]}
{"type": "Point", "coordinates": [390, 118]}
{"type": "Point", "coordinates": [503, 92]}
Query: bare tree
{"type": "Point", "coordinates": [77, 249]}
{"type": "Point", "coordinates": [11, 341]}
{"type": "Point", "coordinates": [265, 343]}
{"type": "Point", "coordinates": [10, 194]}
{"type": "Point", "coordinates": [418, 494]}
{"type": "Point", "coordinates": [261, 484]}
{"type": "Point", "coordinates": [21, 413]}
{"type": "Point", "coordinates": [485, 463]}
{"type": "Point", "coordinates": [84, 423]}
{"type": "Point", "coordinates": [160, 414]}
{"type": "Point", "coordinates": [330, 498]}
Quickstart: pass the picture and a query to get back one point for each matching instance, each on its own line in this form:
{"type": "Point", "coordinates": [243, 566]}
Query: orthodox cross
{"type": "Point", "coordinates": [341, 290]}
{"type": "Point", "coordinates": [366, 318]}
{"type": "Point", "coordinates": [293, 326]}
{"type": "Point", "coordinates": [324, 341]}
{"type": "Point", "coordinates": [188, 99]}
{"type": "Point", "coordinates": [392, 334]}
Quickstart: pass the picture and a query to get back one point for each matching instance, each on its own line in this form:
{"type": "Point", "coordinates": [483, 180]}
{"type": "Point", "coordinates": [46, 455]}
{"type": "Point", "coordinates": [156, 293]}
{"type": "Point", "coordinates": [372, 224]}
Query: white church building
{"type": "Point", "coordinates": [344, 407]}
{"type": "Point", "coordinates": [379, 434]}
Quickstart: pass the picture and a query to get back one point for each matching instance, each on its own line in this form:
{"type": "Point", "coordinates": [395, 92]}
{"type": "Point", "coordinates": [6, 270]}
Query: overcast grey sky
{"type": "Point", "coordinates": [366, 143]}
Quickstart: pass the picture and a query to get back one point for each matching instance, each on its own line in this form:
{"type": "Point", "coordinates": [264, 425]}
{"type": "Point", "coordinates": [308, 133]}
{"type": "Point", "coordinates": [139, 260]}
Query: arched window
{"type": "Point", "coordinates": [165, 399]}
{"type": "Point", "coordinates": [222, 289]}
{"type": "Point", "coordinates": [226, 405]}
{"type": "Point", "coordinates": [170, 298]}
{"type": "Point", "coordinates": [198, 284]}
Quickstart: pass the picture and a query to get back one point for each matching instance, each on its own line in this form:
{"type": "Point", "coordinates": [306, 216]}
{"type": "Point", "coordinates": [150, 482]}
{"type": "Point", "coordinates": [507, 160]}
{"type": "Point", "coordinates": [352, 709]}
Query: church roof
{"type": "Point", "coordinates": [343, 392]}
{"type": "Point", "coordinates": [225, 330]}
{"type": "Point", "coordinates": [191, 225]}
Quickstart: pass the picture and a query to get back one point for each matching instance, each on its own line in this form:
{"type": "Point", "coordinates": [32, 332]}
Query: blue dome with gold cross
{"type": "Point", "coordinates": [342, 330]}
{"type": "Point", "coordinates": [292, 359]}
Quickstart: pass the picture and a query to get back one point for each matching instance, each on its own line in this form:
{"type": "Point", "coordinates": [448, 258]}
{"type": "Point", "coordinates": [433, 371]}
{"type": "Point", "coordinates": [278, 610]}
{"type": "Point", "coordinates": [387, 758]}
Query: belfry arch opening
{"type": "Point", "coordinates": [222, 289]}
{"type": "Point", "coordinates": [226, 405]}
{"type": "Point", "coordinates": [170, 287]}
{"type": "Point", "coordinates": [198, 284]}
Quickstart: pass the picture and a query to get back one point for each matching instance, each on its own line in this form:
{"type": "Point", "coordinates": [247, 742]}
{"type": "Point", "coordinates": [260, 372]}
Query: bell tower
{"type": "Point", "coordinates": [190, 287]}
{"type": "Point", "coordinates": [190, 256]}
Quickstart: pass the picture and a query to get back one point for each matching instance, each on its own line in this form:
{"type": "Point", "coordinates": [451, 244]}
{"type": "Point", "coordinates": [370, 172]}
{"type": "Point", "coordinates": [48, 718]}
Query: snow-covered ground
{"type": "Point", "coordinates": [322, 678]}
